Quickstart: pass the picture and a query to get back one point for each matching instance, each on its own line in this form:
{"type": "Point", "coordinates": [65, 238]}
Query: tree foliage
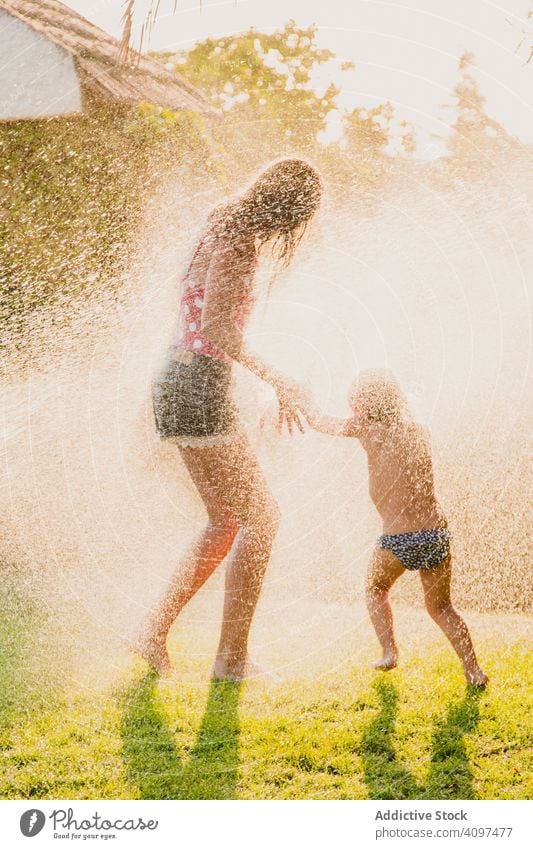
{"type": "Point", "coordinates": [68, 200]}
{"type": "Point", "coordinates": [263, 83]}
{"type": "Point", "coordinates": [268, 89]}
{"type": "Point", "coordinates": [477, 141]}
{"type": "Point", "coordinates": [75, 187]}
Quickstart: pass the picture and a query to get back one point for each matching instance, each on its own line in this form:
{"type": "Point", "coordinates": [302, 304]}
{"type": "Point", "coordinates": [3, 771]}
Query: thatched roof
{"type": "Point", "coordinates": [97, 58]}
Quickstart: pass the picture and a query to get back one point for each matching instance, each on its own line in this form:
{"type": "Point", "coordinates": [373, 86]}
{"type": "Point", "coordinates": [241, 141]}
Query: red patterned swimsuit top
{"type": "Point", "coordinates": [189, 336]}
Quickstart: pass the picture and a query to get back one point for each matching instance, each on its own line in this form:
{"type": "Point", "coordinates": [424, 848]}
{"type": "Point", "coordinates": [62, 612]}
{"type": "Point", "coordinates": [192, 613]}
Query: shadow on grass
{"type": "Point", "coordinates": [155, 764]}
{"type": "Point", "coordinates": [385, 777]}
{"type": "Point", "coordinates": [449, 775]}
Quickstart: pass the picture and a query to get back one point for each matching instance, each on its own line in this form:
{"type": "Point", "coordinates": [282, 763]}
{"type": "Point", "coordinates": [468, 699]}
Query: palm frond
{"type": "Point", "coordinates": [126, 51]}
{"type": "Point", "coordinates": [127, 23]}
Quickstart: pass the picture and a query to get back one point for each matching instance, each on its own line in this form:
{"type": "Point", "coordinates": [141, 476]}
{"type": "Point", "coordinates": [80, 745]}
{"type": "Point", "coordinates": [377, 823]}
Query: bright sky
{"type": "Point", "coordinates": [405, 51]}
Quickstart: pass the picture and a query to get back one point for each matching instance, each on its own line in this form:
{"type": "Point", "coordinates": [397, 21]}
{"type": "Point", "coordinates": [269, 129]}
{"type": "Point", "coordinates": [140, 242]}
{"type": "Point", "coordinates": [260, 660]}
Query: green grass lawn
{"type": "Point", "coordinates": [414, 733]}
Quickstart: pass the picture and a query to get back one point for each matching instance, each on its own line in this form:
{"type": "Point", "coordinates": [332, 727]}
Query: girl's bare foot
{"type": "Point", "coordinates": [240, 671]}
{"type": "Point", "coordinates": [477, 678]}
{"type": "Point", "coordinates": [388, 661]}
{"type": "Point", "coordinates": [154, 652]}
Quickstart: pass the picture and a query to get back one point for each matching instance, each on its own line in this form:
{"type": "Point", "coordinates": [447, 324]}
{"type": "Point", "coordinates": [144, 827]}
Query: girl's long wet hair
{"type": "Point", "coordinates": [276, 208]}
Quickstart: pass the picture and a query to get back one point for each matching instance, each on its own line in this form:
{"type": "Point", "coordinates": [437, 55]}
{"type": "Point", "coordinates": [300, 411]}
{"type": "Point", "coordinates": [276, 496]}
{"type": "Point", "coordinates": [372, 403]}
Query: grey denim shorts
{"type": "Point", "coordinates": [192, 399]}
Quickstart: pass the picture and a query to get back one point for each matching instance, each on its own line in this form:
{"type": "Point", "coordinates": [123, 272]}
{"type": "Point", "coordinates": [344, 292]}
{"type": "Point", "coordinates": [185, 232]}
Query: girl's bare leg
{"type": "Point", "coordinates": [241, 483]}
{"type": "Point", "coordinates": [383, 571]}
{"type": "Point", "coordinates": [203, 556]}
{"type": "Point", "coordinates": [240, 510]}
{"type": "Point", "coordinates": [436, 584]}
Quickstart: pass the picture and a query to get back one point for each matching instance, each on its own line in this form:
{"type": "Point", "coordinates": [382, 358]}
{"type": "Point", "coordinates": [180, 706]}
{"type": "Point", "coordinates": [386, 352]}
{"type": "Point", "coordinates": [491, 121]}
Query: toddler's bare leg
{"type": "Point", "coordinates": [436, 584]}
{"type": "Point", "coordinates": [383, 571]}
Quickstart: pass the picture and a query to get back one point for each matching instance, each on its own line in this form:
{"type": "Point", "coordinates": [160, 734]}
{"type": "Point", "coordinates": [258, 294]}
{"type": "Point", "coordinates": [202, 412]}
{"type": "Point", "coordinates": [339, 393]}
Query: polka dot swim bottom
{"type": "Point", "coordinates": [418, 549]}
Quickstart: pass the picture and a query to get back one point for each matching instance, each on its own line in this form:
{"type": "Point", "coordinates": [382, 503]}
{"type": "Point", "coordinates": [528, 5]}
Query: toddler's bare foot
{"type": "Point", "coordinates": [154, 652]}
{"type": "Point", "coordinates": [224, 670]}
{"type": "Point", "coordinates": [477, 678]}
{"type": "Point", "coordinates": [388, 661]}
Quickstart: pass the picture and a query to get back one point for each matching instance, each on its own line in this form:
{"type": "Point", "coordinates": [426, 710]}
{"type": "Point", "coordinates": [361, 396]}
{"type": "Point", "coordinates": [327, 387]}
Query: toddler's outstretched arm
{"type": "Point", "coordinates": [331, 425]}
